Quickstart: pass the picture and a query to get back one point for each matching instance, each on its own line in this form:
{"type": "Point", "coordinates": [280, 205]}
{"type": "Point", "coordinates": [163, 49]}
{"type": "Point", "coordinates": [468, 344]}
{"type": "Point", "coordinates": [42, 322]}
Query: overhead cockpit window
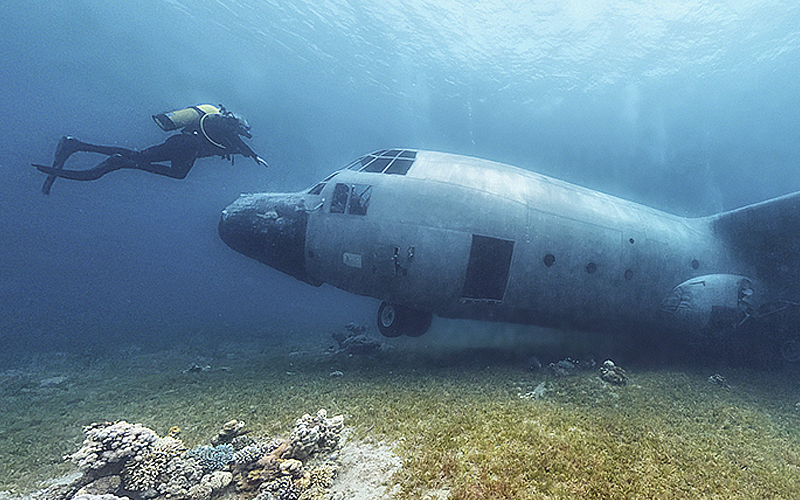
{"type": "Point", "coordinates": [392, 161]}
{"type": "Point", "coordinates": [377, 165]}
{"type": "Point", "coordinates": [399, 166]}
{"type": "Point", "coordinates": [352, 197]}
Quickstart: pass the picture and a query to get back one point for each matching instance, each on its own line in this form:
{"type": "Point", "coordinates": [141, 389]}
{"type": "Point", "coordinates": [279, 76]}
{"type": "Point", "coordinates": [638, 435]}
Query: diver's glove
{"type": "Point", "coordinates": [261, 161]}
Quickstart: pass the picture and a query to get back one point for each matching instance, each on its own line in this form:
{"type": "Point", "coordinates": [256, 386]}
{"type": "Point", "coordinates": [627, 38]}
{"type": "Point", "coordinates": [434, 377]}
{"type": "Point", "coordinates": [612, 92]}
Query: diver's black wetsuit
{"type": "Point", "coordinates": [218, 136]}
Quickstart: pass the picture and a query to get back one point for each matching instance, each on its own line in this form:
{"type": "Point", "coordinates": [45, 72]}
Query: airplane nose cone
{"type": "Point", "coordinates": [270, 229]}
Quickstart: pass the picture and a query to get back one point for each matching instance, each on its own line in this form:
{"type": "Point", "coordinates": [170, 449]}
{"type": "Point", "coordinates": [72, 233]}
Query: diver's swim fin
{"type": "Point", "coordinates": [113, 162]}
{"type": "Point", "coordinates": [66, 146]}
{"type": "Point", "coordinates": [51, 178]}
{"type": "Point", "coordinates": [77, 175]}
{"type": "Point", "coordinates": [48, 184]}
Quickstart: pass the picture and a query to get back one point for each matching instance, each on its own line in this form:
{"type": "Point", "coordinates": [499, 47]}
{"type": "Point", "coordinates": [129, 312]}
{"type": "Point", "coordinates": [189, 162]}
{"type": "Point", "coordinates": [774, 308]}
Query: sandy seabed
{"type": "Point", "coordinates": [424, 422]}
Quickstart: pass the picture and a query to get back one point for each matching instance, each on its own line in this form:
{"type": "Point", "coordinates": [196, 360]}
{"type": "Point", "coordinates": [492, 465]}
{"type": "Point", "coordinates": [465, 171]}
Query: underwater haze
{"type": "Point", "coordinates": [119, 301]}
{"type": "Point", "coordinates": [691, 107]}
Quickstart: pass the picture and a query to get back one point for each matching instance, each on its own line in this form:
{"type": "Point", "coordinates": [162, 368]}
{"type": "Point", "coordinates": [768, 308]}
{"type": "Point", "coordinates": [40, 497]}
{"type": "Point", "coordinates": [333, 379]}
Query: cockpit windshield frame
{"type": "Point", "coordinates": [386, 161]}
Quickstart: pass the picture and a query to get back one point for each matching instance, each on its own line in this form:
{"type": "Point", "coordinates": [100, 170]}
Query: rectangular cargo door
{"type": "Point", "coordinates": [487, 270]}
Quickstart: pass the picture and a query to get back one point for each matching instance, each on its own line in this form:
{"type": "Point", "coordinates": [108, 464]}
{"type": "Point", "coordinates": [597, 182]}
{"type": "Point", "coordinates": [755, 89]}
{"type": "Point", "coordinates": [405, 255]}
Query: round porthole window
{"type": "Point", "coordinates": [549, 260]}
{"type": "Point", "coordinates": [591, 267]}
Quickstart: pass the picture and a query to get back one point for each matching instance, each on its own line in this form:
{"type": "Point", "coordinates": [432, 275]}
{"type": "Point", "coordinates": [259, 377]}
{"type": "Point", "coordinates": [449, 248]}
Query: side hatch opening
{"type": "Point", "coordinates": [488, 267]}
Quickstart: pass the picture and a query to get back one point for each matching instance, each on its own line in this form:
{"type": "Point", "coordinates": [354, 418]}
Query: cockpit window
{"type": "Point", "coordinates": [339, 199]}
{"type": "Point", "coordinates": [392, 161]}
{"type": "Point", "coordinates": [399, 166]}
{"type": "Point", "coordinates": [351, 198]}
{"type": "Point", "coordinates": [359, 199]}
{"type": "Point", "coordinates": [317, 189]}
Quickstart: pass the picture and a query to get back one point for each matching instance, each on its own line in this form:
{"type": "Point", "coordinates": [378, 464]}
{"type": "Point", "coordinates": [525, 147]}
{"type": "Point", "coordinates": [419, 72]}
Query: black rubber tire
{"type": "Point", "coordinates": [394, 321]}
{"type": "Point", "coordinates": [417, 322]}
{"type": "Point", "coordinates": [389, 320]}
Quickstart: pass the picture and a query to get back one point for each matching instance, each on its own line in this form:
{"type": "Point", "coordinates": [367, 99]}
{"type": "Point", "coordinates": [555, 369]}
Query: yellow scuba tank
{"type": "Point", "coordinates": [185, 117]}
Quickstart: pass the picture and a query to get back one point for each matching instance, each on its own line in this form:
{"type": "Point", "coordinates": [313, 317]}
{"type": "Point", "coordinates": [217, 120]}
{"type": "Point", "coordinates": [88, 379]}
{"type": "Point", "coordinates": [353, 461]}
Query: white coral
{"type": "Point", "coordinates": [314, 434]}
{"type": "Point", "coordinates": [111, 443]}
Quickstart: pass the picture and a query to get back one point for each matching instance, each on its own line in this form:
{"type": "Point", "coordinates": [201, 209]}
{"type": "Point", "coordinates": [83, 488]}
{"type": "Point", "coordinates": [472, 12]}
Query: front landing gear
{"type": "Point", "coordinates": [395, 320]}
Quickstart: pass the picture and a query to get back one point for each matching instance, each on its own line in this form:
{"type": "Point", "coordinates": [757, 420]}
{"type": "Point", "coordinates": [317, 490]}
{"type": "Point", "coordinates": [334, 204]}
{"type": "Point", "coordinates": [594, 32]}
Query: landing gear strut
{"type": "Point", "coordinates": [395, 320]}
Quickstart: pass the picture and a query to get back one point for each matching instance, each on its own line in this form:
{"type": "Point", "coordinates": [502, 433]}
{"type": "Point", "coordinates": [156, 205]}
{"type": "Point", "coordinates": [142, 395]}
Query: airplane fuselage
{"type": "Point", "coordinates": [470, 238]}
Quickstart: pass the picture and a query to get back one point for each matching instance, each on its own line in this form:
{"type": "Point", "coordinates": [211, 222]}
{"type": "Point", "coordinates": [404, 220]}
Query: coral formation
{"type": "Point", "coordinates": [230, 431]}
{"type": "Point", "coordinates": [355, 341]}
{"type": "Point", "coordinates": [144, 474]}
{"type": "Point", "coordinates": [180, 479]}
{"type": "Point", "coordinates": [281, 472]}
{"type": "Point", "coordinates": [282, 488]}
{"type": "Point", "coordinates": [720, 380]}
{"type": "Point", "coordinates": [110, 444]}
{"type": "Point", "coordinates": [128, 461]}
{"type": "Point", "coordinates": [314, 434]}
{"type": "Point", "coordinates": [241, 442]}
{"type": "Point", "coordinates": [250, 454]}
{"type": "Point", "coordinates": [102, 486]}
{"type": "Point", "coordinates": [315, 481]}
{"type": "Point", "coordinates": [212, 458]}
{"type": "Point", "coordinates": [86, 496]}
{"type": "Point", "coordinates": [612, 373]}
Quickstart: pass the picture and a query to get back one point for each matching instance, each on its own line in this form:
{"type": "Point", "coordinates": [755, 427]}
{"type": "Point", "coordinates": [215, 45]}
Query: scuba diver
{"type": "Point", "coordinates": [207, 131]}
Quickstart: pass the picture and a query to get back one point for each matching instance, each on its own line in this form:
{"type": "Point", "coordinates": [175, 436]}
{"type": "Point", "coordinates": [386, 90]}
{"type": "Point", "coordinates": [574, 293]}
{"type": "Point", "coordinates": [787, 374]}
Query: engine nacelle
{"type": "Point", "coordinates": [712, 305]}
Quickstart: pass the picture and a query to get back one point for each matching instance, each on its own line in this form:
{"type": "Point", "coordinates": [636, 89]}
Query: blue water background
{"type": "Point", "coordinates": [688, 106]}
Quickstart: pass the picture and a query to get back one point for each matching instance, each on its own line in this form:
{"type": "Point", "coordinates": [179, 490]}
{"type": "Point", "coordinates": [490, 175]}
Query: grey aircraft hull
{"type": "Point", "coordinates": [463, 237]}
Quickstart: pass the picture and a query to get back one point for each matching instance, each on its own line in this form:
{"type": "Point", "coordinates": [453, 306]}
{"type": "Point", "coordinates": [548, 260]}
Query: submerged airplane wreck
{"type": "Point", "coordinates": [460, 237]}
